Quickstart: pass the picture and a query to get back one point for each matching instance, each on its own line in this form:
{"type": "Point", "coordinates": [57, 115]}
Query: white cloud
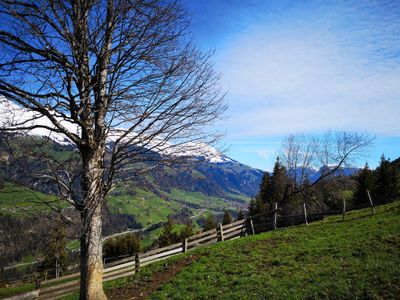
{"type": "Point", "coordinates": [310, 77]}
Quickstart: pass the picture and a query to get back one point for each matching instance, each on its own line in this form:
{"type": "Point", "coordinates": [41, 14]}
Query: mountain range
{"type": "Point", "coordinates": [313, 173]}
{"type": "Point", "coordinates": [212, 182]}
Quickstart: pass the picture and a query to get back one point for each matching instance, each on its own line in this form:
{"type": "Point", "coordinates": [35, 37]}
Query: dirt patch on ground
{"type": "Point", "coordinates": [142, 288]}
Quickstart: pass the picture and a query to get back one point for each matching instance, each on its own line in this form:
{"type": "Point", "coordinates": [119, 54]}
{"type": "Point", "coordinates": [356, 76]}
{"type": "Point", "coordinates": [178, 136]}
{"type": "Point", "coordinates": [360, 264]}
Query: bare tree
{"type": "Point", "coordinates": [330, 152]}
{"type": "Point", "coordinates": [120, 80]}
{"type": "Point", "coordinates": [298, 154]}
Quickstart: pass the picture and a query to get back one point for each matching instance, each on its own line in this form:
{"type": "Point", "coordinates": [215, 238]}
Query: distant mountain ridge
{"type": "Point", "coordinates": [209, 172]}
{"type": "Point", "coordinates": [12, 114]}
{"type": "Point", "coordinates": [313, 174]}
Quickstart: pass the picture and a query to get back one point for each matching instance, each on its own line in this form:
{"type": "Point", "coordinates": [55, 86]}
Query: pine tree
{"type": "Point", "coordinates": [279, 187]}
{"type": "Point", "coordinates": [365, 181]}
{"type": "Point", "coordinates": [395, 181]}
{"type": "Point", "coordinates": [386, 182]}
{"type": "Point", "coordinates": [55, 249]}
{"type": "Point", "coordinates": [210, 223]}
{"type": "Point", "coordinates": [227, 218]}
{"type": "Point", "coordinates": [265, 187]}
{"type": "Point", "coordinates": [132, 243]}
{"type": "Point", "coordinates": [121, 245]}
{"type": "Point", "coordinates": [168, 236]}
{"type": "Point", "coordinates": [188, 230]}
{"type": "Point", "coordinates": [110, 248]}
{"type": "Point", "coordinates": [256, 206]}
{"type": "Point", "coordinates": [273, 189]}
{"type": "Point", "coordinates": [240, 215]}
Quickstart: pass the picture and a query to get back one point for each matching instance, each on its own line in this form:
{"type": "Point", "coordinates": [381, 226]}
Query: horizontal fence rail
{"type": "Point", "coordinates": [130, 265]}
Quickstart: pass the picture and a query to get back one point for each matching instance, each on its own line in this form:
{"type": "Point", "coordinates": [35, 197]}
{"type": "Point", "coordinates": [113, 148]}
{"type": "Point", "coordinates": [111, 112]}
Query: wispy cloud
{"type": "Point", "coordinates": [330, 67]}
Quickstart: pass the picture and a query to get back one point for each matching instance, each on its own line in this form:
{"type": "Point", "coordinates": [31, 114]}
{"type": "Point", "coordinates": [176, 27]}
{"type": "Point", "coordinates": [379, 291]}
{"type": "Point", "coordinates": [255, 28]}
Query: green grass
{"type": "Point", "coordinates": [40, 146]}
{"type": "Point", "coordinates": [28, 259]}
{"type": "Point", "coordinates": [348, 194]}
{"type": "Point", "coordinates": [23, 264]}
{"type": "Point", "coordinates": [147, 207]}
{"type": "Point", "coordinates": [18, 200]}
{"type": "Point", "coordinates": [26, 287]}
{"type": "Point", "coordinates": [15, 290]}
{"type": "Point", "coordinates": [211, 203]}
{"type": "Point", "coordinates": [73, 245]}
{"type": "Point", "coordinates": [144, 274]}
{"type": "Point", "coordinates": [240, 197]}
{"type": "Point", "coordinates": [151, 236]}
{"type": "Point", "coordinates": [330, 259]}
{"type": "Point", "coordinates": [197, 175]}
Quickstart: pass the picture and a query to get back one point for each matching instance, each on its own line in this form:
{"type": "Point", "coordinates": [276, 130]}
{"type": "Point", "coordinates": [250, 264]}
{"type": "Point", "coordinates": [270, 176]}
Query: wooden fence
{"type": "Point", "coordinates": [130, 265]}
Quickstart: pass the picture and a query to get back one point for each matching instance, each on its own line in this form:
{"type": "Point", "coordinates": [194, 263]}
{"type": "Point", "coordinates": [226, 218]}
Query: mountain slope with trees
{"type": "Point", "coordinates": [383, 183]}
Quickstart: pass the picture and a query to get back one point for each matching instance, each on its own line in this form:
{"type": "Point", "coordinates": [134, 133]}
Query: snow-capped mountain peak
{"type": "Point", "coordinates": [14, 116]}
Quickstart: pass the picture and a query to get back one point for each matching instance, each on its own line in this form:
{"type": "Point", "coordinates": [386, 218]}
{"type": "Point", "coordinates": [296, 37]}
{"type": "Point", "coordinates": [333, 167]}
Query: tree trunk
{"type": "Point", "coordinates": [91, 286]}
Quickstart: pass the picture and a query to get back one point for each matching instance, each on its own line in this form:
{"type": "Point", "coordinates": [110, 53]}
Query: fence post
{"type": "Point", "coordinates": [305, 213]}
{"type": "Point", "coordinates": [137, 262]}
{"type": "Point", "coordinates": [275, 214]}
{"type": "Point", "coordinates": [37, 281]}
{"type": "Point", "coordinates": [251, 226]}
{"type": "Point", "coordinates": [184, 246]}
{"type": "Point", "coordinates": [370, 201]}
{"type": "Point", "coordinates": [221, 231]}
{"type": "Point", "coordinates": [344, 207]}
{"type": "Point", "coordinates": [56, 268]}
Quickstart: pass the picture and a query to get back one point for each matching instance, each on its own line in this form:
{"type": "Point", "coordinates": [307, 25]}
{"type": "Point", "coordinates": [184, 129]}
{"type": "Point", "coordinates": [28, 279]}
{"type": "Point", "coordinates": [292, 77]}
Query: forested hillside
{"type": "Point", "coordinates": [137, 202]}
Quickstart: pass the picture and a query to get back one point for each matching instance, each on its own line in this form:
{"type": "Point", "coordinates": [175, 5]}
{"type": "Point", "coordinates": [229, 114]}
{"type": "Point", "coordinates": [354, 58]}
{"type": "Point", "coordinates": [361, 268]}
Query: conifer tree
{"type": "Point", "coordinates": [210, 223]}
{"type": "Point", "coordinates": [386, 182]}
{"type": "Point", "coordinates": [256, 206]}
{"type": "Point", "coordinates": [240, 215]}
{"type": "Point", "coordinates": [110, 248]}
{"type": "Point", "coordinates": [365, 181]}
{"type": "Point", "coordinates": [279, 185]}
{"type": "Point", "coordinates": [188, 230]}
{"type": "Point", "coordinates": [132, 243]}
{"type": "Point", "coordinates": [168, 236]}
{"type": "Point", "coordinates": [55, 249]}
{"type": "Point", "coordinates": [265, 187]}
{"type": "Point", "coordinates": [227, 218]}
{"type": "Point", "coordinates": [126, 244]}
{"type": "Point", "coordinates": [396, 181]}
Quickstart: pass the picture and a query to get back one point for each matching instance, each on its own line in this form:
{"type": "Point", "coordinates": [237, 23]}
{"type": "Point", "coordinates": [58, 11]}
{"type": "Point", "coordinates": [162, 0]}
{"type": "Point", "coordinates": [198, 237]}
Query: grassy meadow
{"type": "Point", "coordinates": [19, 200]}
{"type": "Point", "coordinates": [357, 258]}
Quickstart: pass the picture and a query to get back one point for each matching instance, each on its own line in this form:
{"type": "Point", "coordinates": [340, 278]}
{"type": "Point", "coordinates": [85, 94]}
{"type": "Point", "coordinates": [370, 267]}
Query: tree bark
{"type": "Point", "coordinates": [91, 286]}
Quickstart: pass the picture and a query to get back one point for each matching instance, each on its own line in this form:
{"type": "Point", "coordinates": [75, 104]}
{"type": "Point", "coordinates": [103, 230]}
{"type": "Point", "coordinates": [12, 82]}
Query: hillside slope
{"type": "Point", "coordinates": [330, 259]}
{"type": "Point", "coordinates": [204, 183]}
{"type": "Point", "coordinates": [211, 172]}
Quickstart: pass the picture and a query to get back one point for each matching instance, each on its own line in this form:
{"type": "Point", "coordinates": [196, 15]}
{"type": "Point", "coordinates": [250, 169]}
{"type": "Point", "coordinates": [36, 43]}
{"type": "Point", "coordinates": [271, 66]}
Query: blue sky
{"type": "Point", "coordinates": [303, 67]}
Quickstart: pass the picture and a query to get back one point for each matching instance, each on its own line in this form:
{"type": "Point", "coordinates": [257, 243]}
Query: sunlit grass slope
{"type": "Point", "coordinates": [20, 200]}
{"type": "Point", "coordinates": [332, 259]}
{"type": "Point", "coordinates": [149, 208]}
{"type": "Point", "coordinates": [357, 258]}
